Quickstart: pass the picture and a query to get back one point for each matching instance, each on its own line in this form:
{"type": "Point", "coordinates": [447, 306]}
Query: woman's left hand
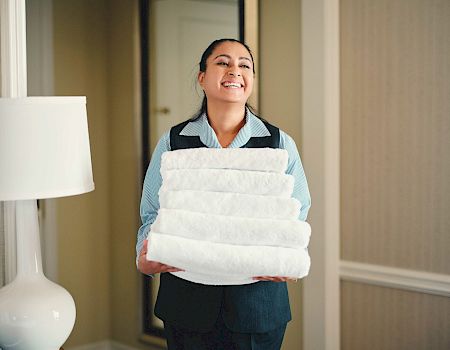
{"type": "Point", "coordinates": [274, 278]}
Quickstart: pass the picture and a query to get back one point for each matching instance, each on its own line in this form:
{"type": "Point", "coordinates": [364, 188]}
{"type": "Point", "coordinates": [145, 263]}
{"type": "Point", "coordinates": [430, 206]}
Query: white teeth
{"type": "Point", "coordinates": [236, 85]}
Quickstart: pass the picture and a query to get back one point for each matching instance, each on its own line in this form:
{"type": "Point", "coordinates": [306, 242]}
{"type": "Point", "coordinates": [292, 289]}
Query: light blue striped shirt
{"type": "Point", "coordinates": [253, 127]}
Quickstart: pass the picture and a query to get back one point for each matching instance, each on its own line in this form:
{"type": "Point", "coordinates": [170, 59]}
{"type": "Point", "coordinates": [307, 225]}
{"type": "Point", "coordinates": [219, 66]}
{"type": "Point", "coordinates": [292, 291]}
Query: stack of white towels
{"type": "Point", "coordinates": [227, 215]}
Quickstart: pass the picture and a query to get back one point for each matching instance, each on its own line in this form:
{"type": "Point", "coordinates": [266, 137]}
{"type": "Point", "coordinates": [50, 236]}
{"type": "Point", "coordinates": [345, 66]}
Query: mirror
{"type": "Point", "coordinates": [174, 34]}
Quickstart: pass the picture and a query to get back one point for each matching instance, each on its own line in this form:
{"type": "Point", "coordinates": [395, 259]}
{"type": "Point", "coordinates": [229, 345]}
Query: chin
{"type": "Point", "coordinates": [237, 102]}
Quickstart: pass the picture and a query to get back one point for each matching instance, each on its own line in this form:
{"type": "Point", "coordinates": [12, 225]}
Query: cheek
{"type": "Point", "coordinates": [250, 83]}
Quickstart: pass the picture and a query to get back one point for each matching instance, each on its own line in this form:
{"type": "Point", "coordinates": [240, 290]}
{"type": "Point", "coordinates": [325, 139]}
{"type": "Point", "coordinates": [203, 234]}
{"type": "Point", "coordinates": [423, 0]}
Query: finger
{"type": "Point", "coordinates": [274, 278]}
{"type": "Point", "coordinates": [269, 278]}
{"type": "Point", "coordinates": [263, 278]}
{"type": "Point", "coordinates": [165, 267]}
{"type": "Point", "coordinates": [173, 270]}
{"type": "Point", "coordinates": [169, 268]}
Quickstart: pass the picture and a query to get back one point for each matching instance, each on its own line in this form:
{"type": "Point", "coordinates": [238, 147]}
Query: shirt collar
{"type": "Point", "coordinates": [254, 127]}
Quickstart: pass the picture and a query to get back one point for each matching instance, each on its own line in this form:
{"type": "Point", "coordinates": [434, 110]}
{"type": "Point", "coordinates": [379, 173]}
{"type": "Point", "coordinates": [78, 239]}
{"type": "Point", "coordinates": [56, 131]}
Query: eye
{"type": "Point", "coordinates": [244, 65]}
{"type": "Point", "coordinates": [223, 63]}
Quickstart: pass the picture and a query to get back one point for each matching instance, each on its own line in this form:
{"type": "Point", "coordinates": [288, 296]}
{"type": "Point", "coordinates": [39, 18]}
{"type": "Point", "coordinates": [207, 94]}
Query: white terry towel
{"type": "Point", "coordinates": [228, 180]}
{"type": "Point", "coordinates": [231, 204]}
{"type": "Point", "coordinates": [219, 259]}
{"type": "Point", "coordinates": [256, 159]}
{"type": "Point", "coordinates": [232, 229]}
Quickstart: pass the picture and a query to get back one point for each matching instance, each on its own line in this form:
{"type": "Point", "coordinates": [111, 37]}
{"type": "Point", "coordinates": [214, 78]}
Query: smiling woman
{"type": "Point", "coordinates": [200, 316]}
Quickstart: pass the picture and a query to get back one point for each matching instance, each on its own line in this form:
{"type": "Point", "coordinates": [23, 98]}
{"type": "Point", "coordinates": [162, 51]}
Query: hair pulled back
{"type": "Point", "coordinates": [202, 68]}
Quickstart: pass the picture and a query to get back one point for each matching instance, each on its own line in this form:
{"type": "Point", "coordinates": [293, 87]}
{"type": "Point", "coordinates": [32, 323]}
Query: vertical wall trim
{"type": "Point", "coordinates": [13, 48]}
{"type": "Point", "coordinates": [41, 83]}
{"type": "Point", "coordinates": [320, 149]}
{"type": "Point", "coordinates": [251, 38]}
{"type": "Point", "coordinates": [14, 84]}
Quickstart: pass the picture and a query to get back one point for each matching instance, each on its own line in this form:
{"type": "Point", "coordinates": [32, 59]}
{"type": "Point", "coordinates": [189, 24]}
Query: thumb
{"type": "Point", "coordinates": [144, 247]}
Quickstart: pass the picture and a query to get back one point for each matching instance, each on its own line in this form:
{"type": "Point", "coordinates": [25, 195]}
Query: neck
{"type": "Point", "coordinates": [226, 119]}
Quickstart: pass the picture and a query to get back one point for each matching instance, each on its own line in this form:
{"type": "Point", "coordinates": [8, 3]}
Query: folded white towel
{"type": "Point", "coordinates": [233, 229]}
{"type": "Point", "coordinates": [228, 180]}
{"type": "Point", "coordinates": [256, 159]}
{"type": "Point", "coordinates": [227, 215]}
{"type": "Point", "coordinates": [219, 259]}
{"type": "Point", "coordinates": [232, 204]}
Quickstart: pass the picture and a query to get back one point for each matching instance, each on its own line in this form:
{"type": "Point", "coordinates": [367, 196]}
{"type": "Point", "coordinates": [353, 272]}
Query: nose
{"type": "Point", "coordinates": [234, 74]}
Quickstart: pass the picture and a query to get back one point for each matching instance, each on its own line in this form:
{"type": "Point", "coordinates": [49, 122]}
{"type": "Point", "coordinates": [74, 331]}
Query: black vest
{"type": "Point", "coordinates": [250, 308]}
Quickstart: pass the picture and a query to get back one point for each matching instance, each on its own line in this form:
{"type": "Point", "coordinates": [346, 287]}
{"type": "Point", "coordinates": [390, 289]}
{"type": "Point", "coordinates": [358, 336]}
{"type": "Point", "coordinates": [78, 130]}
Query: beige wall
{"type": "Point", "coordinates": [125, 165]}
{"type": "Point", "coordinates": [280, 104]}
{"type": "Point", "coordinates": [395, 166]}
{"type": "Point", "coordinates": [375, 318]}
{"type": "Point", "coordinates": [83, 222]}
{"type": "Point", "coordinates": [95, 55]}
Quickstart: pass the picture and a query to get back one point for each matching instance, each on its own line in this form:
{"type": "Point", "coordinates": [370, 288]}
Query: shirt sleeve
{"type": "Point", "coordinates": [295, 168]}
{"type": "Point", "coordinates": [150, 199]}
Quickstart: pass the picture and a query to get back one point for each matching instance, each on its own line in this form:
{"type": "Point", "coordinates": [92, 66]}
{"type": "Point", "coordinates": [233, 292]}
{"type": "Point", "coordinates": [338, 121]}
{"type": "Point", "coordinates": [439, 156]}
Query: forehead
{"type": "Point", "coordinates": [230, 48]}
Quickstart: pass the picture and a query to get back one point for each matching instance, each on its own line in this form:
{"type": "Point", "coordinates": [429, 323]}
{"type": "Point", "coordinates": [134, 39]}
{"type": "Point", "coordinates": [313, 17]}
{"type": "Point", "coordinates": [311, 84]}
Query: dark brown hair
{"type": "Point", "coordinates": [202, 68]}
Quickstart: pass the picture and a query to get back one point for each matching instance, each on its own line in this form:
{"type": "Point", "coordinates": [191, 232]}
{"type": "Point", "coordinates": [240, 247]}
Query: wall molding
{"type": "Point", "coordinates": [385, 276]}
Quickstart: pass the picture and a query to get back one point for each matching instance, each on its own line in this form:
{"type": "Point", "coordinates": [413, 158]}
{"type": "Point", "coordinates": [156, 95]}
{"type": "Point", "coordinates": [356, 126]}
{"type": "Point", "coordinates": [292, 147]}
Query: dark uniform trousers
{"type": "Point", "coordinates": [197, 316]}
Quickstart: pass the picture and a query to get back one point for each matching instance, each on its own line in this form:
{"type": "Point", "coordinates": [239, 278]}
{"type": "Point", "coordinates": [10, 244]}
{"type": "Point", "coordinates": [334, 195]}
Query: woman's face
{"type": "Point", "coordinates": [230, 62]}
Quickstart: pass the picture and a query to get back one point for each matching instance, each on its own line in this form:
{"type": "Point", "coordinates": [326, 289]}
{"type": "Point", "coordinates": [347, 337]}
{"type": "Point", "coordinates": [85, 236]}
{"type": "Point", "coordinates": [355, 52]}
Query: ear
{"type": "Point", "coordinates": [200, 78]}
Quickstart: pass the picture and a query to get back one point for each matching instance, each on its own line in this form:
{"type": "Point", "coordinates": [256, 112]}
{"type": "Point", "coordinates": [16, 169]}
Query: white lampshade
{"type": "Point", "coordinates": [44, 148]}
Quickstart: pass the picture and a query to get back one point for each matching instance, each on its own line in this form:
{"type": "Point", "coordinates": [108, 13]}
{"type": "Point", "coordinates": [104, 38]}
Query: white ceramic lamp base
{"type": "Point", "coordinates": [35, 313]}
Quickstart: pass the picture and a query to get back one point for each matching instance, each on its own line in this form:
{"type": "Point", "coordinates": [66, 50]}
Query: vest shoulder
{"type": "Point", "coordinates": [180, 125]}
{"type": "Point", "coordinates": [273, 129]}
{"type": "Point", "coordinates": [271, 126]}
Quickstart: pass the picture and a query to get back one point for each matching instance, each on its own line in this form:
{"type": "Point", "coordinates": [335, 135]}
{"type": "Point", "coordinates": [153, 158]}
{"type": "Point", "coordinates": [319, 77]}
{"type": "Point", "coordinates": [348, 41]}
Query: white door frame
{"type": "Point", "coordinates": [321, 154]}
{"type": "Point", "coordinates": [13, 67]}
{"type": "Point", "coordinates": [41, 83]}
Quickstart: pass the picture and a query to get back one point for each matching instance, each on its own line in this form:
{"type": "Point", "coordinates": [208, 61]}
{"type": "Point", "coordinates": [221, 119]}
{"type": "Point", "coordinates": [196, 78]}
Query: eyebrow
{"type": "Point", "coordinates": [241, 58]}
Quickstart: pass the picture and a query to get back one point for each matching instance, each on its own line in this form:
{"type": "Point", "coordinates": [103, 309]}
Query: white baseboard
{"type": "Point", "coordinates": [103, 345]}
{"type": "Point", "coordinates": [417, 281]}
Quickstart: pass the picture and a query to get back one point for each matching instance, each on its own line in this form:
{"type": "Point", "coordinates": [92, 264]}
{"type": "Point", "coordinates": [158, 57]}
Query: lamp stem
{"type": "Point", "coordinates": [35, 313]}
{"type": "Point", "coordinates": [29, 259]}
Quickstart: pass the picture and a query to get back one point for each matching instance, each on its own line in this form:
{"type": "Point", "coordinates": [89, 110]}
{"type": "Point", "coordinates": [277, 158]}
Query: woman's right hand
{"type": "Point", "coordinates": [149, 267]}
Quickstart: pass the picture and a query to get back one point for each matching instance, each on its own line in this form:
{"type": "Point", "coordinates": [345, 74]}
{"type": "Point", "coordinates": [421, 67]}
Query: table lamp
{"type": "Point", "coordinates": [44, 153]}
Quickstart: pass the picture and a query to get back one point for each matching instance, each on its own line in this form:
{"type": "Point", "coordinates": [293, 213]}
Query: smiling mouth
{"type": "Point", "coordinates": [232, 85]}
